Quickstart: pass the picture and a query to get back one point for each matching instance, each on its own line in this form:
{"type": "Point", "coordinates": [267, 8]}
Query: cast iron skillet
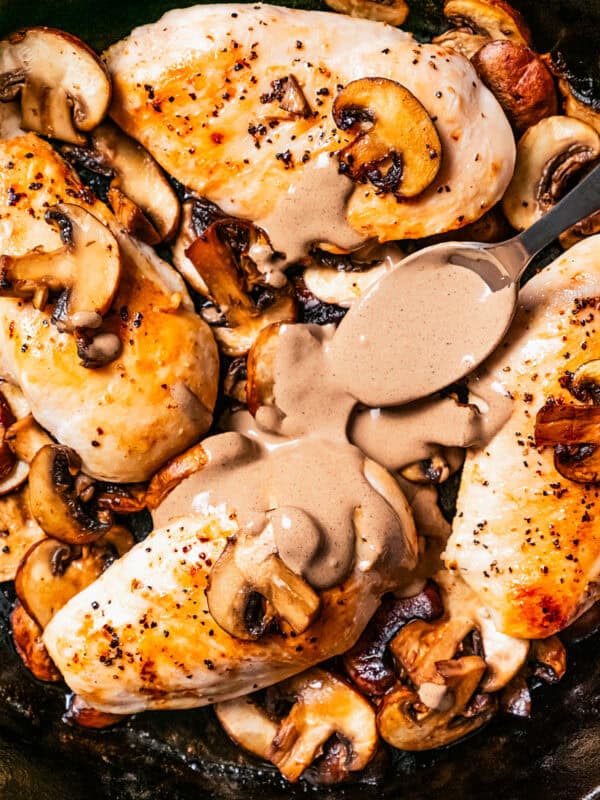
{"type": "Point", "coordinates": [183, 755]}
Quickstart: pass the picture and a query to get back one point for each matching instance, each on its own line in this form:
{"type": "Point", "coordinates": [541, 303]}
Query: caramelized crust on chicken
{"type": "Point", "coordinates": [124, 419]}
{"type": "Point", "coordinates": [196, 89]}
{"type": "Point", "coordinates": [525, 538]}
{"type": "Point", "coordinates": [141, 637]}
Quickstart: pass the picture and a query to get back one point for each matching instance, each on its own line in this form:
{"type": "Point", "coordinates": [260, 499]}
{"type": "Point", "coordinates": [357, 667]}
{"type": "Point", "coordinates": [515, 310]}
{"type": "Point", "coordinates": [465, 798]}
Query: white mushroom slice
{"type": "Point", "coordinates": [64, 87]}
{"type": "Point", "coordinates": [135, 174]}
{"type": "Point", "coordinates": [13, 409]}
{"type": "Point", "coordinates": [86, 269]}
{"type": "Point", "coordinates": [548, 154]}
{"type": "Point", "coordinates": [18, 532]}
{"type": "Point", "coordinates": [494, 18]}
{"type": "Point", "coordinates": [323, 706]}
{"type": "Point", "coordinates": [394, 12]}
{"type": "Point", "coordinates": [463, 41]}
{"type": "Point", "coordinates": [185, 238]}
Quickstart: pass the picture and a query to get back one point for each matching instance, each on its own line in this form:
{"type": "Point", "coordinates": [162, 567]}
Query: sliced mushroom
{"type": "Point", "coordinates": [436, 469]}
{"type": "Point", "coordinates": [80, 713]}
{"type": "Point", "coordinates": [173, 472]}
{"type": "Point", "coordinates": [213, 257]}
{"type": "Point", "coordinates": [495, 19]}
{"type": "Point", "coordinates": [581, 230]}
{"type": "Point", "coordinates": [549, 658]}
{"type": "Point", "coordinates": [16, 437]}
{"type": "Point", "coordinates": [140, 194]}
{"type": "Point", "coordinates": [249, 586]}
{"type": "Point", "coordinates": [64, 88]}
{"type": "Point", "coordinates": [197, 214]}
{"type": "Point", "coordinates": [520, 81]}
{"type": "Point", "coordinates": [53, 572]}
{"type": "Point", "coordinates": [18, 532]}
{"type": "Point", "coordinates": [394, 12]}
{"type": "Point", "coordinates": [585, 382]}
{"type": "Point", "coordinates": [27, 638]}
{"type": "Point", "coordinates": [26, 438]}
{"type": "Point", "coordinates": [287, 93]}
{"type": "Point", "coordinates": [573, 432]}
{"type": "Point", "coordinates": [86, 269]}
{"type": "Point", "coordinates": [367, 663]}
{"type": "Point", "coordinates": [260, 383]}
{"type": "Point", "coordinates": [405, 722]}
{"type": "Point", "coordinates": [235, 380]}
{"type": "Point", "coordinates": [323, 707]}
{"type": "Point", "coordinates": [548, 156]}
{"type": "Point", "coordinates": [54, 499]}
{"type": "Point", "coordinates": [463, 41]}
{"type": "Point", "coordinates": [397, 147]}
{"type": "Point", "coordinates": [516, 697]}
{"type": "Point", "coordinates": [574, 60]}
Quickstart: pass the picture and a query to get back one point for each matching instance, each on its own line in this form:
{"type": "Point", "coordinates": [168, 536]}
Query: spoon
{"type": "Point", "coordinates": [443, 310]}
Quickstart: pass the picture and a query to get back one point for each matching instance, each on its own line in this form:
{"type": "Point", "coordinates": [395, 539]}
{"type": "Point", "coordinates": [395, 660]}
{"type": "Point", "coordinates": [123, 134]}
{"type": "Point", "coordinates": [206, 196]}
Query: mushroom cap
{"type": "Point", "coordinates": [64, 87]}
{"type": "Point", "coordinates": [547, 155]}
{"type": "Point", "coordinates": [494, 18]}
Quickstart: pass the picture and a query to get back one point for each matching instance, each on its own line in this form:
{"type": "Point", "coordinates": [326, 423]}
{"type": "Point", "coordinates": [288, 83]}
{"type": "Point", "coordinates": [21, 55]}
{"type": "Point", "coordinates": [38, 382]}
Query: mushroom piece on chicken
{"type": "Point", "coordinates": [63, 87]}
{"type": "Point", "coordinates": [175, 59]}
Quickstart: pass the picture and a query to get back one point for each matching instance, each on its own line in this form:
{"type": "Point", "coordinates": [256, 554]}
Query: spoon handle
{"type": "Point", "coordinates": [580, 202]}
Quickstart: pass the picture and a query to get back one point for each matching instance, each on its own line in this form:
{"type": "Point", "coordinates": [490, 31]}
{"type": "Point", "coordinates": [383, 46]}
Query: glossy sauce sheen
{"type": "Point", "coordinates": [292, 478]}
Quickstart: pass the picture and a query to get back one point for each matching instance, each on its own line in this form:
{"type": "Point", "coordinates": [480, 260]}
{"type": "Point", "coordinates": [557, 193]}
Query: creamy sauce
{"type": "Point", "coordinates": [313, 210]}
{"type": "Point", "coordinates": [304, 475]}
{"type": "Point", "coordinates": [421, 327]}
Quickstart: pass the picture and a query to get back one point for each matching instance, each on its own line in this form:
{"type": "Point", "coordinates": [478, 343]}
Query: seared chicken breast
{"type": "Point", "coordinates": [199, 88]}
{"type": "Point", "coordinates": [128, 417]}
{"type": "Point", "coordinates": [142, 636]}
{"type": "Point", "coordinates": [526, 538]}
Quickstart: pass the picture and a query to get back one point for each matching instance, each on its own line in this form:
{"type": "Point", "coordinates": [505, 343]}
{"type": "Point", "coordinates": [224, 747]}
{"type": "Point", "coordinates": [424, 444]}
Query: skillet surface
{"type": "Point", "coordinates": [178, 756]}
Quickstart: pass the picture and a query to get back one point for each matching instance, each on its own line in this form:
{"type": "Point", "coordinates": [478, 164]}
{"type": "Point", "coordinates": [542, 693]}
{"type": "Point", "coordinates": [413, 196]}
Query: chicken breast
{"type": "Point", "coordinates": [525, 538]}
{"type": "Point", "coordinates": [194, 88]}
{"type": "Point", "coordinates": [127, 418]}
{"type": "Point", "coordinates": [141, 637]}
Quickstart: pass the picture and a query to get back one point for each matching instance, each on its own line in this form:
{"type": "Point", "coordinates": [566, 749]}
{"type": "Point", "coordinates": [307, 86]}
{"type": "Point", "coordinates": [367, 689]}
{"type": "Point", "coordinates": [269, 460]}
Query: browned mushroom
{"type": "Point", "coordinates": [140, 195]}
{"type": "Point", "coordinates": [574, 61]}
{"type": "Point", "coordinates": [406, 722]}
{"type": "Point", "coordinates": [394, 12]}
{"type": "Point", "coordinates": [397, 147]}
{"type": "Point", "coordinates": [55, 501]}
{"type": "Point", "coordinates": [495, 19]}
{"type": "Point", "coordinates": [549, 659]}
{"type": "Point", "coordinates": [53, 572]}
{"type": "Point", "coordinates": [368, 663]}
{"type": "Point", "coordinates": [249, 586]}
{"type": "Point", "coordinates": [261, 369]}
{"type": "Point", "coordinates": [520, 81]}
{"type": "Point", "coordinates": [86, 269]}
{"type": "Point", "coordinates": [228, 286]}
{"type": "Point", "coordinates": [287, 96]}
{"type": "Point", "coordinates": [436, 469]}
{"type": "Point", "coordinates": [63, 86]}
{"type": "Point", "coordinates": [27, 638]}
{"type": "Point", "coordinates": [573, 432]}
{"type": "Point", "coordinates": [549, 155]}
{"type": "Point", "coordinates": [18, 532]}
{"type": "Point", "coordinates": [23, 438]}
{"type": "Point", "coordinates": [173, 472]}
{"type": "Point", "coordinates": [324, 709]}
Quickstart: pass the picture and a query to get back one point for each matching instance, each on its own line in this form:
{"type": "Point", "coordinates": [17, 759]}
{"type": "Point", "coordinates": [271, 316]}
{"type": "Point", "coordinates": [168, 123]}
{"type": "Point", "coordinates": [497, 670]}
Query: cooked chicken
{"type": "Point", "coordinates": [525, 538]}
{"type": "Point", "coordinates": [196, 88]}
{"type": "Point", "coordinates": [124, 419]}
{"type": "Point", "coordinates": [142, 637]}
